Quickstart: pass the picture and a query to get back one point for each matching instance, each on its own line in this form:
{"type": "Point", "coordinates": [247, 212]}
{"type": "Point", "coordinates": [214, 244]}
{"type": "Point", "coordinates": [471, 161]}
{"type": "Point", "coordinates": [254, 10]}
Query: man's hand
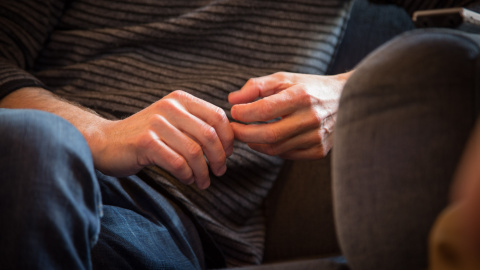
{"type": "Point", "coordinates": [178, 133]}
{"type": "Point", "coordinates": [306, 105]}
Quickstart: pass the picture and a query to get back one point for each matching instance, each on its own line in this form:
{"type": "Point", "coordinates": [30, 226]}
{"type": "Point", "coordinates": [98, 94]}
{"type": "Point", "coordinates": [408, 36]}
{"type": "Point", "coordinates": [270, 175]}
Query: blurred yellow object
{"type": "Point", "coordinates": [448, 249]}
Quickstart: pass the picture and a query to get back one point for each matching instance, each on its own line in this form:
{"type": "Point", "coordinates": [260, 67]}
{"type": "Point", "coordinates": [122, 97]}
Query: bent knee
{"type": "Point", "coordinates": [425, 56]}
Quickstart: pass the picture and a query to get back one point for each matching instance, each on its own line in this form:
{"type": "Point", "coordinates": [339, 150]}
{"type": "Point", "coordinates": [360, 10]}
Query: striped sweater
{"type": "Point", "coordinates": [117, 57]}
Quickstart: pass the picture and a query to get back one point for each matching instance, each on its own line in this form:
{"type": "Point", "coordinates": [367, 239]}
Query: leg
{"type": "Point", "coordinates": [142, 229]}
{"type": "Point", "coordinates": [403, 122]}
{"type": "Point", "coordinates": [49, 195]}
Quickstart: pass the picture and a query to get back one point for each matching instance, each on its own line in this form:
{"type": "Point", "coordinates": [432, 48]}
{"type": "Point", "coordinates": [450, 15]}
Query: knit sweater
{"type": "Point", "coordinates": [118, 57]}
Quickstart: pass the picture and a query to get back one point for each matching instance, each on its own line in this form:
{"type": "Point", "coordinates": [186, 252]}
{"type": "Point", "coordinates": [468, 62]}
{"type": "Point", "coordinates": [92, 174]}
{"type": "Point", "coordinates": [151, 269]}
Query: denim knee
{"type": "Point", "coordinates": [404, 118]}
{"type": "Point", "coordinates": [49, 196]}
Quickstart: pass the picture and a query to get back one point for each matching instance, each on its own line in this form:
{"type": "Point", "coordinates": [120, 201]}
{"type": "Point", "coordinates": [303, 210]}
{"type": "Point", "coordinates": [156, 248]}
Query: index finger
{"type": "Point", "coordinates": [215, 117]}
{"type": "Point", "coordinates": [269, 108]}
{"type": "Point", "coordinates": [261, 87]}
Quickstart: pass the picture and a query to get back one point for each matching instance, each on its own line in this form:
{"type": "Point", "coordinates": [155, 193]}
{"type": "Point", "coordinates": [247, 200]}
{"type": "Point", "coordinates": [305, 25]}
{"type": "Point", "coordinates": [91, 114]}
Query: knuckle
{"type": "Point", "coordinates": [271, 150]}
{"type": "Point", "coordinates": [251, 82]}
{"type": "Point", "coordinates": [303, 96]}
{"type": "Point", "coordinates": [321, 153]}
{"type": "Point", "coordinates": [219, 115]}
{"type": "Point", "coordinates": [209, 133]}
{"type": "Point", "coordinates": [266, 108]}
{"type": "Point", "coordinates": [178, 165]}
{"type": "Point", "coordinates": [194, 151]}
{"type": "Point", "coordinates": [177, 94]}
{"type": "Point", "coordinates": [155, 119]}
{"type": "Point", "coordinates": [145, 140]}
{"type": "Point", "coordinates": [312, 121]}
{"type": "Point", "coordinates": [266, 149]}
{"type": "Point", "coordinates": [255, 83]}
{"type": "Point", "coordinates": [318, 138]}
{"type": "Point", "coordinates": [271, 135]}
{"type": "Point", "coordinates": [180, 169]}
{"type": "Point", "coordinates": [167, 104]}
{"type": "Point", "coordinates": [281, 75]}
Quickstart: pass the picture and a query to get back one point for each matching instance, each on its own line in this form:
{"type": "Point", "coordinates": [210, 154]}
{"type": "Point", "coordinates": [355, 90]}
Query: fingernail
{"type": "Point", "coordinates": [222, 170]}
{"type": "Point", "coordinates": [190, 181]}
{"type": "Point", "coordinates": [205, 185]}
{"type": "Point", "coordinates": [229, 151]}
{"type": "Point", "coordinates": [233, 111]}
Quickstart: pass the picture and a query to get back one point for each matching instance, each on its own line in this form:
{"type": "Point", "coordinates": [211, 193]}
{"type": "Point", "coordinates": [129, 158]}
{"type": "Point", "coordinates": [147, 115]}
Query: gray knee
{"type": "Point", "coordinates": [403, 121]}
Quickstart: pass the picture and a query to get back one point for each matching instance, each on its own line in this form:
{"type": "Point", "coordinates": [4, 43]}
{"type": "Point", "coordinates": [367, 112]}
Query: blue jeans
{"type": "Point", "coordinates": [52, 200]}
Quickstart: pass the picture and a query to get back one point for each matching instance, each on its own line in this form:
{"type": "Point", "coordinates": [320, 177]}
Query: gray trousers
{"type": "Point", "coordinates": [403, 122]}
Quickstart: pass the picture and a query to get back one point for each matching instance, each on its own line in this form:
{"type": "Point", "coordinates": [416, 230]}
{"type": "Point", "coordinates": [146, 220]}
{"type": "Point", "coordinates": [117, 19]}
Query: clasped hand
{"type": "Point", "coordinates": [186, 135]}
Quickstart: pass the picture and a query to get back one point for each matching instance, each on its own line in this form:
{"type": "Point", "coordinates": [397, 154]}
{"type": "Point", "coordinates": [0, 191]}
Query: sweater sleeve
{"type": "Point", "coordinates": [413, 5]}
{"type": "Point", "coordinates": [25, 27]}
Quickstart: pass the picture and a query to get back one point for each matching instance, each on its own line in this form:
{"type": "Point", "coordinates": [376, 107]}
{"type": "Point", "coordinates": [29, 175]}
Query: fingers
{"type": "Point", "coordinates": [261, 87]}
{"type": "Point", "coordinates": [194, 129]}
{"type": "Point", "coordinates": [163, 156]}
{"type": "Point", "coordinates": [312, 140]}
{"type": "Point", "coordinates": [186, 156]}
{"type": "Point", "coordinates": [271, 107]}
{"type": "Point", "coordinates": [205, 136]}
{"type": "Point", "coordinates": [214, 117]}
{"type": "Point", "coordinates": [277, 131]}
{"type": "Point", "coordinates": [310, 145]}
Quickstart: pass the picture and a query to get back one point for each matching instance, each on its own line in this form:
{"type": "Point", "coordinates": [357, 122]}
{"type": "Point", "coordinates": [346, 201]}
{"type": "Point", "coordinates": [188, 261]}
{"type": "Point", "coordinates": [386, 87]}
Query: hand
{"type": "Point", "coordinates": [306, 105]}
{"type": "Point", "coordinates": [174, 133]}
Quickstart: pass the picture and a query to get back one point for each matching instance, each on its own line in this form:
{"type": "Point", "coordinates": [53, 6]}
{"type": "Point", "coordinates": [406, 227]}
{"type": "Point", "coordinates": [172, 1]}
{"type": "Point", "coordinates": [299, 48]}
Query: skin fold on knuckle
{"type": "Point", "coordinates": [209, 133]}
{"type": "Point", "coordinates": [266, 149]}
{"type": "Point", "coordinates": [180, 169]}
{"type": "Point", "coordinates": [265, 110]}
{"type": "Point", "coordinates": [271, 135]}
{"type": "Point", "coordinates": [303, 98]}
{"type": "Point", "coordinates": [255, 83]}
{"type": "Point", "coordinates": [193, 151]}
{"type": "Point", "coordinates": [219, 116]}
{"type": "Point", "coordinates": [169, 106]}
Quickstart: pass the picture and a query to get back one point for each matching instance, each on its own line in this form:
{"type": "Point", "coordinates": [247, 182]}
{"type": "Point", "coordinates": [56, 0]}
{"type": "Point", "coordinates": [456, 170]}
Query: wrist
{"type": "Point", "coordinates": [98, 137]}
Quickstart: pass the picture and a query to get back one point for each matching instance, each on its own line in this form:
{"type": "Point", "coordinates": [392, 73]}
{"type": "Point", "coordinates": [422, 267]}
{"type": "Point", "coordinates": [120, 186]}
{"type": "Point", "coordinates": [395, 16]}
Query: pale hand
{"type": "Point", "coordinates": [306, 105]}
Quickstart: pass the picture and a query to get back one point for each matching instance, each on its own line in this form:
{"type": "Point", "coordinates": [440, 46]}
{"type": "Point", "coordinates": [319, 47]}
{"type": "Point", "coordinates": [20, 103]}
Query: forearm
{"type": "Point", "coordinates": [86, 121]}
{"type": "Point", "coordinates": [176, 133]}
